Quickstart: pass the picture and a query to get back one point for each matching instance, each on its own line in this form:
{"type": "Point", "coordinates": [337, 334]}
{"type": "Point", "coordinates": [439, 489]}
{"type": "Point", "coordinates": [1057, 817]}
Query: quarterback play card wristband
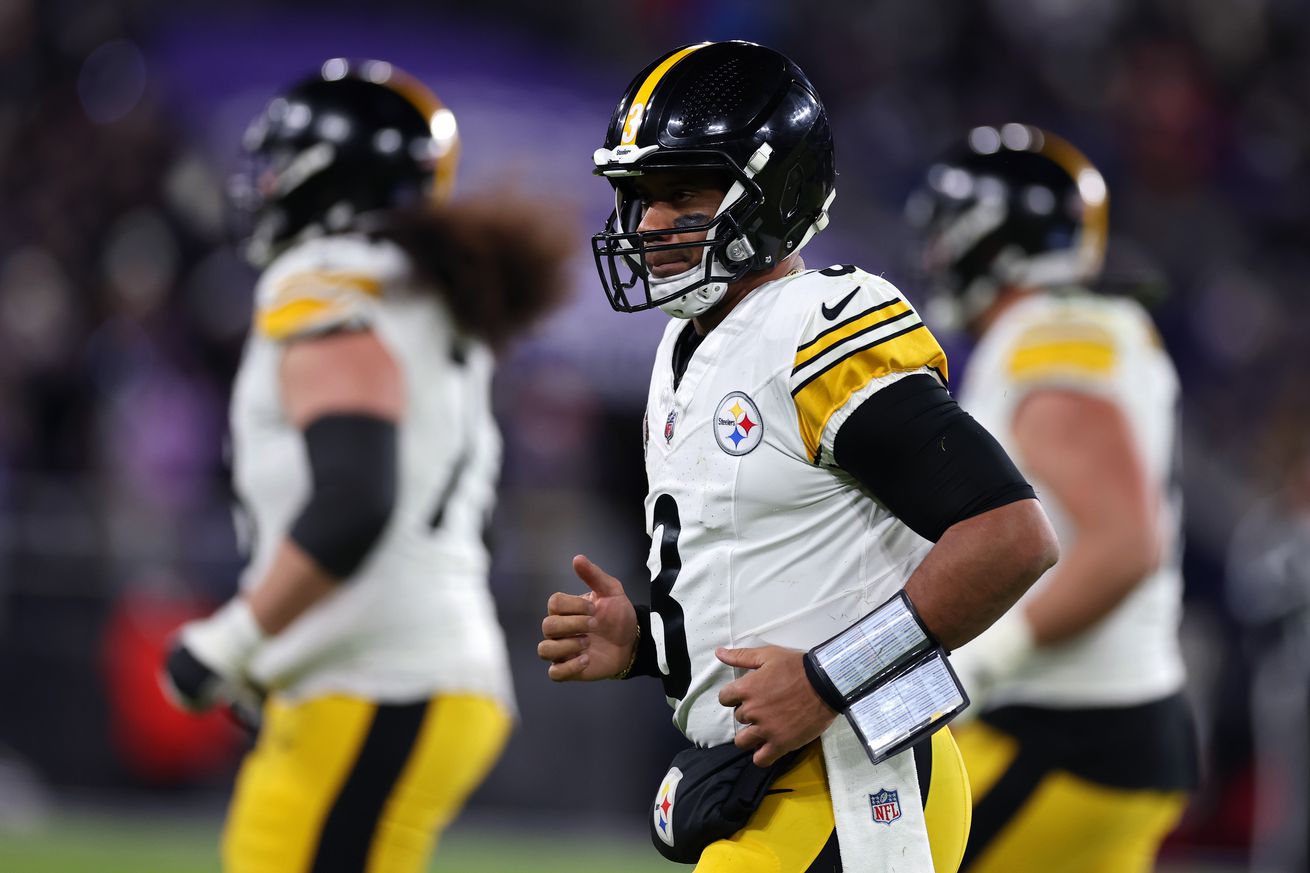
{"type": "Point", "coordinates": [889, 677]}
{"type": "Point", "coordinates": [853, 661]}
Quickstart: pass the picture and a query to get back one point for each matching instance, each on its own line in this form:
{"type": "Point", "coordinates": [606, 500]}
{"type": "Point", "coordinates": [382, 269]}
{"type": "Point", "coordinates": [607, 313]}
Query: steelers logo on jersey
{"type": "Point", "coordinates": [737, 424]}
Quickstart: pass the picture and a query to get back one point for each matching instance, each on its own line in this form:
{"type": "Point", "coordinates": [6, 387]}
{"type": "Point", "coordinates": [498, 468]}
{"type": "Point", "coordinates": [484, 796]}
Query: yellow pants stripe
{"type": "Point", "coordinates": [1043, 820]}
{"type": "Point", "coordinates": [339, 783]}
{"type": "Point", "coordinates": [948, 807]}
{"type": "Point", "coordinates": [793, 830]}
{"type": "Point", "coordinates": [789, 830]}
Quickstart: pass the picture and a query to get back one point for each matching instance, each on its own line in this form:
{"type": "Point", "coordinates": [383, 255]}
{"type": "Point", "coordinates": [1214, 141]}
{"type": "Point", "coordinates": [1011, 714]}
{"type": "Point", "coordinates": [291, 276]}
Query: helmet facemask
{"type": "Point", "coordinates": [723, 255]}
{"type": "Point", "coordinates": [735, 108]}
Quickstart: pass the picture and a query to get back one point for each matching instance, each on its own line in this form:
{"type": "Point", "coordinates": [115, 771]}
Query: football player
{"type": "Point", "coordinates": [805, 464]}
{"type": "Point", "coordinates": [365, 455]}
{"type": "Point", "coordinates": [1083, 753]}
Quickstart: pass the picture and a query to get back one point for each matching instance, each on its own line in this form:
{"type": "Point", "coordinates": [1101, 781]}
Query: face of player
{"type": "Point", "coordinates": [675, 199]}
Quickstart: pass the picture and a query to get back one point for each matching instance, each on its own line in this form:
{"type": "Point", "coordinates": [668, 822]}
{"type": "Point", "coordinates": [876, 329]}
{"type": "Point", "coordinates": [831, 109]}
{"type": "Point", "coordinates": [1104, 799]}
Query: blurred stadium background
{"type": "Point", "coordinates": [123, 309]}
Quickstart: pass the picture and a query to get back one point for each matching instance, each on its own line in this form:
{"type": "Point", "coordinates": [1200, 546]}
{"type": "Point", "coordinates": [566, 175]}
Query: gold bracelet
{"type": "Point", "coordinates": [636, 645]}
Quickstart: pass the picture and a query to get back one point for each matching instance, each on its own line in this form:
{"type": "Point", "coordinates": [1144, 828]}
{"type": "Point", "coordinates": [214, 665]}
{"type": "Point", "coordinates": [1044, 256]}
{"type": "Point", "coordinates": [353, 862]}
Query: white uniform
{"type": "Point", "coordinates": [1107, 347]}
{"type": "Point", "coordinates": [417, 617]}
{"type": "Point", "coordinates": [756, 537]}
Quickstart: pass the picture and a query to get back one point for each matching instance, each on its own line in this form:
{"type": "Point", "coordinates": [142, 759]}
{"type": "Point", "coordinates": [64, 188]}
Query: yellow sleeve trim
{"type": "Point", "coordinates": [1066, 357]}
{"type": "Point", "coordinates": [314, 300]}
{"type": "Point", "coordinates": [817, 399]}
{"type": "Point", "coordinates": [295, 317]}
{"type": "Point", "coordinates": [868, 321]}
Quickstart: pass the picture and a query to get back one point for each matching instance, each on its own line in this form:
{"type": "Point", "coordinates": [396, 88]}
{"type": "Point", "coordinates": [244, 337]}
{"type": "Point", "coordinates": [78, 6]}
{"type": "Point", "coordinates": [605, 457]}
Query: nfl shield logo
{"type": "Point", "coordinates": [668, 425]}
{"type": "Point", "coordinates": [886, 806]}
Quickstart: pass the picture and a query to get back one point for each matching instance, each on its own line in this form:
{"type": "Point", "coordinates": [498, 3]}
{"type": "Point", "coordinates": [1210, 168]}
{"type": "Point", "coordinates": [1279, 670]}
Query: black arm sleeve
{"type": "Point", "coordinates": [352, 459]}
{"type": "Point", "coordinates": [925, 458]}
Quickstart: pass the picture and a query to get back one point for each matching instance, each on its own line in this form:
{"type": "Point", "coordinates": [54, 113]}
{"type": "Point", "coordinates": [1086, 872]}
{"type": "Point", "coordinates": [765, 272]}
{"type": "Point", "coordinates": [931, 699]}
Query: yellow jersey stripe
{"type": "Point", "coordinates": [282, 321]}
{"type": "Point", "coordinates": [828, 390]}
{"type": "Point", "coordinates": [883, 313]}
{"type": "Point", "coordinates": [1064, 357]}
{"type": "Point", "coordinates": [1064, 331]}
{"type": "Point", "coordinates": [637, 109]}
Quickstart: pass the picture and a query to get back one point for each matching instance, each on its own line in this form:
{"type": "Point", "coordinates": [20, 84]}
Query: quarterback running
{"type": "Point", "coordinates": [816, 498]}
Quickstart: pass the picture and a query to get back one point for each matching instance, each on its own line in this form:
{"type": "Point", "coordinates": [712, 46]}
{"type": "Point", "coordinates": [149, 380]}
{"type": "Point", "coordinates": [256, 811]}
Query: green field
{"type": "Point", "coordinates": [136, 845]}
{"type": "Point", "coordinates": [165, 843]}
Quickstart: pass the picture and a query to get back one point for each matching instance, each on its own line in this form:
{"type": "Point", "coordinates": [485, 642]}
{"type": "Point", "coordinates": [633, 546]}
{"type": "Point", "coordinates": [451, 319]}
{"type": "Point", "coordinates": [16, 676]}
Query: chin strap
{"type": "Point", "coordinates": [697, 302]}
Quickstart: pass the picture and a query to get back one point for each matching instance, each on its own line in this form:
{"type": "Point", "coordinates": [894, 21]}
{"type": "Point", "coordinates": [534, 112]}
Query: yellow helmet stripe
{"type": "Point", "coordinates": [441, 121]}
{"type": "Point", "coordinates": [1091, 186]}
{"type": "Point", "coordinates": [637, 109]}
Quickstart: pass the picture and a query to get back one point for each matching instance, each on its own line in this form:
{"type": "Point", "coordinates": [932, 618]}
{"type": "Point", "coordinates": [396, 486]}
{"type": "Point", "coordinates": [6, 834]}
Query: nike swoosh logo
{"type": "Point", "coordinates": [831, 312]}
{"type": "Point", "coordinates": [779, 791]}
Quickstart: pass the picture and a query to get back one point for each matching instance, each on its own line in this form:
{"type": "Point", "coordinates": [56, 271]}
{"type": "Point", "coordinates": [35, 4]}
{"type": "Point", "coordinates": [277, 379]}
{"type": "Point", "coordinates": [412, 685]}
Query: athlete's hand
{"type": "Point", "coordinates": [589, 636]}
{"type": "Point", "coordinates": [990, 659]}
{"type": "Point", "coordinates": [206, 665]}
{"type": "Point", "coordinates": [776, 702]}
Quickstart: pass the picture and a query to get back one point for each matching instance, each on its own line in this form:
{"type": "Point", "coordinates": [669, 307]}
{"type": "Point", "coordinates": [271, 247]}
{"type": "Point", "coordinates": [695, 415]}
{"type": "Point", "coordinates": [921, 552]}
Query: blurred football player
{"type": "Point", "coordinates": [805, 464]}
{"type": "Point", "coordinates": [365, 454]}
{"type": "Point", "coordinates": [1083, 751]}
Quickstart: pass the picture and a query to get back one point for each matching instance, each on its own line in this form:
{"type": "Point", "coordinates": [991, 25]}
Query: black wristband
{"type": "Point", "coordinates": [822, 685]}
{"type": "Point", "coordinates": [646, 662]}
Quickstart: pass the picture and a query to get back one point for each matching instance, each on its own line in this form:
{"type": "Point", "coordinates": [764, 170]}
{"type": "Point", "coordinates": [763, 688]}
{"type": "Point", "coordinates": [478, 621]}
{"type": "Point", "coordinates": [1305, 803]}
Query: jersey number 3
{"type": "Point", "coordinates": [666, 526]}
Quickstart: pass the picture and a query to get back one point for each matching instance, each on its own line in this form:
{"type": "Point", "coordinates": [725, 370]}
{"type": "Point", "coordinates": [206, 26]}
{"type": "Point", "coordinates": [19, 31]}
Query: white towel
{"type": "Point", "coordinates": [880, 822]}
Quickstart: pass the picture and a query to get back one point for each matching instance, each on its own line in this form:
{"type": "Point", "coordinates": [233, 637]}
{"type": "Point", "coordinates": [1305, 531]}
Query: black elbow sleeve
{"type": "Point", "coordinates": [353, 463]}
{"type": "Point", "coordinates": [925, 458]}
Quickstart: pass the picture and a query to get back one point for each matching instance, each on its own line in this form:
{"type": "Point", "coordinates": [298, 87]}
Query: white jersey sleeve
{"type": "Point", "coordinates": [1077, 348]}
{"type": "Point", "coordinates": [859, 336]}
{"type": "Point", "coordinates": [325, 284]}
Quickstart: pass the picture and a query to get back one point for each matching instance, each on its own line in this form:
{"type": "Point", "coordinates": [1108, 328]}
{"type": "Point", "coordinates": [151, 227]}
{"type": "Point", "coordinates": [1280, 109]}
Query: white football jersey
{"type": "Point", "coordinates": [417, 617]}
{"type": "Point", "coordinates": [1107, 347]}
{"type": "Point", "coordinates": [757, 538]}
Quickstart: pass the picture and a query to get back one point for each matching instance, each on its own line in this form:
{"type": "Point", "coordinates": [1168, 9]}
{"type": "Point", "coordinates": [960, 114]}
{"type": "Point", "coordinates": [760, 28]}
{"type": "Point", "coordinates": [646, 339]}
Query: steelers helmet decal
{"type": "Point", "coordinates": [733, 108]}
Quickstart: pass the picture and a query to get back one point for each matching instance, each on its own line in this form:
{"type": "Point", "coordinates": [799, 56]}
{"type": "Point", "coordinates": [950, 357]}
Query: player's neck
{"type": "Point", "coordinates": [738, 290]}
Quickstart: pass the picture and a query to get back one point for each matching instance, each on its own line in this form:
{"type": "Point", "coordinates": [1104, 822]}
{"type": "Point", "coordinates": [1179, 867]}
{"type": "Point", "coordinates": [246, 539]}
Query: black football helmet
{"type": "Point", "coordinates": [357, 137]}
{"type": "Point", "coordinates": [1011, 206]}
{"type": "Point", "coordinates": [732, 107]}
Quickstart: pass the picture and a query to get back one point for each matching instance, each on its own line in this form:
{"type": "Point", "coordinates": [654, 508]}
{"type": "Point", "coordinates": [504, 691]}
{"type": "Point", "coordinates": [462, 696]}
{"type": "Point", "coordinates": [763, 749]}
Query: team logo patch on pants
{"type": "Point", "coordinates": [886, 806]}
{"type": "Point", "coordinates": [664, 805]}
